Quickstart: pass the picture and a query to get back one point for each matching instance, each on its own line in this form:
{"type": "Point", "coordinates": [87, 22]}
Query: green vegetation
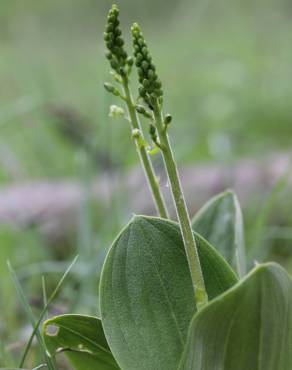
{"type": "Point", "coordinates": [226, 72]}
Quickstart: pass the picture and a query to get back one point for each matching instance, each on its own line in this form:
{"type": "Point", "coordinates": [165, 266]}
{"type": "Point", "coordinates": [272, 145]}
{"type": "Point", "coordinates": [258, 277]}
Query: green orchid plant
{"type": "Point", "coordinates": [175, 295]}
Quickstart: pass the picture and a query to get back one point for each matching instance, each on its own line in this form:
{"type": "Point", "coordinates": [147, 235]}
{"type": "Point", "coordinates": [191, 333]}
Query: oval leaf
{"type": "Point", "coordinates": [82, 339]}
{"type": "Point", "coordinates": [220, 222]}
{"type": "Point", "coordinates": [146, 293]}
{"type": "Point", "coordinates": [248, 327]}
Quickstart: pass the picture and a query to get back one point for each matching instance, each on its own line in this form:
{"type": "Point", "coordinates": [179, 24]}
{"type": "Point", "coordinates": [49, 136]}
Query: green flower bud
{"type": "Point", "coordinates": [136, 32]}
{"type": "Point", "coordinates": [146, 84]}
{"type": "Point", "coordinates": [158, 84]}
{"type": "Point", "coordinates": [114, 64]}
{"type": "Point", "coordinates": [136, 134]}
{"type": "Point", "coordinates": [140, 72]}
{"type": "Point", "coordinates": [116, 50]}
{"type": "Point", "coordinates": [118, 32]}
{"type": "Point", "coordinates": [141, 41]}
{"type": "Point", "coordinates": [109, 27]}
{"type": "Point", "coordinates": [130, 61]}
{"type": "Point", "coordinates": [151, 74]}
{"type": "Point", "coordinates": [119, 41]}
{"type": "Point", "coordinates": [145, 65]}
{"type": "Point", "coordinates": [115, 10]}
{"type": "Point", "coordinates": [124, 54]}
{"type": "Point", "coordinates": [139, 57]}
{"type": "Point", "coordinates": [141, 110]}
{"type": "Point", "coordinates": [116, 76]}
{"type": "Point", "coordinates": [150, 89]}
{"type": "Point", "coordinates": [167, 119]}
{"type": "Point", "coordinates": [111, 89]}
{"type": "Point", "coordinates": [109, 55]}
{"type": "Point", "coordinates": [158, 93]}
{"type": "Point", "coordinates": [111, 18]}
{"type": "Point", "coordinates": [142, 92]}
{"type": "Point", "coordinates": [152, 130]}
{"type": "Point", "coordinates": [111, 36]}
{"type": "Point", "coordinates": [149, 59]}
{"type": "Point", "coordinates": [109, 44]}
{"type": "Point", "coordinates": [122, 71]}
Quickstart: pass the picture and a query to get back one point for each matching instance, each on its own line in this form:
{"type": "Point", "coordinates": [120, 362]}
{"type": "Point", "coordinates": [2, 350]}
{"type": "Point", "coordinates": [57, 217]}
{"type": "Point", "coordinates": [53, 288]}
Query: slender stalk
{"type": "Point", "coordinates": [181, 209]}
{"type": "Point", "coordinates": [144, 156]}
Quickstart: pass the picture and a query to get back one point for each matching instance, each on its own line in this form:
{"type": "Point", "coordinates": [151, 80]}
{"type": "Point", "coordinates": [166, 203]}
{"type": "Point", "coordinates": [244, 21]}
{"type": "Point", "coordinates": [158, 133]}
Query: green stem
{"type": "Point", "coordinates": [144, 157]}
{"type": "Point", "coordinates": [181, 209]}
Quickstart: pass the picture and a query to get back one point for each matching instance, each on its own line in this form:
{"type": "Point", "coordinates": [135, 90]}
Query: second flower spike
{"type": "Point", "coordinates": [148, 79]}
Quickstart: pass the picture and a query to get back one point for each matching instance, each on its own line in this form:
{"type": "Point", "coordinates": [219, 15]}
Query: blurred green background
{"type": "Point", "coordinates": [226, 70]}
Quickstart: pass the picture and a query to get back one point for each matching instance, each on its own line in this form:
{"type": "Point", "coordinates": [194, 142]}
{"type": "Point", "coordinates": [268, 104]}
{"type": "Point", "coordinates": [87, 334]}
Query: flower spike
{"type": "Point", "coordinates": [114, 41]}
{"type": "Point", "coordinates": [150, 85]}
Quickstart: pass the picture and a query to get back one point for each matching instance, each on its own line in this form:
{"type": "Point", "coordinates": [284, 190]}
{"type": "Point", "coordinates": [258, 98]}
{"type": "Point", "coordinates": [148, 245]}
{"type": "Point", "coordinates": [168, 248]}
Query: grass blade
{"type": "Point", "coordinates": [30, 315]}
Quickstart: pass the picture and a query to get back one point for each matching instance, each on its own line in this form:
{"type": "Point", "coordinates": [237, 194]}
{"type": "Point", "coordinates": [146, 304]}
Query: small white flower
{"type": "Point", "coordinates": [116, 111]}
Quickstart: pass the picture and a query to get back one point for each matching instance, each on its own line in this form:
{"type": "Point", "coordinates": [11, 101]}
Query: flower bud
{"type": "Point", "coordinates": [151, 74]}
{"type": "Point", "coordinates": [109, 27]}
{"type": "Point", "coordinates": [109, 55]}
{"type": "Point", "coordinates": [167, 119]}
{"type": "Point", "coordinates": [141, 41]}
{"type": "Point", "coordinates": [111, 89]}
{"type": "Point", "coordinates": [130, 61]}
{"type": "Point", "coordinates": [142, 92]}
{"type": "Point", "coordinates": [116, 111]}
{"type": "Point", "coordinates": [152, 132]}
{"type": "Point", "coordinates": [146, 83]}
{"type": "Point", "coordinates": [145, 65]}
{"type": "Point", "coordinates": [139, 57]}
{"type": "Point", "coordinates": [136, 134]}
{"type": "Point", "coordinates": [141, 110]}
{"type": "Point", "coordinates": [114, 64]}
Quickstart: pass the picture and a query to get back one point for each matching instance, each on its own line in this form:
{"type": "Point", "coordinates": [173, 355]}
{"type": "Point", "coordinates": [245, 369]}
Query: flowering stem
{"type": "Point", "coordinates": [144, 156]}
{"type": "Point", "coordinates": [181, 208]}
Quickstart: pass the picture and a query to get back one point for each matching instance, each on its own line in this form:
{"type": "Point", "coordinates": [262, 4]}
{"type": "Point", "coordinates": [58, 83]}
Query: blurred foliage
{"type": "Point", "coordinates": [225, 66]}
{"type": "Point", "coordinates": [226, 70]}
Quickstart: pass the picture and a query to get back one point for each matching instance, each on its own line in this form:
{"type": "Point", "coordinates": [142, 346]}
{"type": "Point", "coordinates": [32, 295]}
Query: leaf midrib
{"type": "Point", "coordinates": [83, 337]}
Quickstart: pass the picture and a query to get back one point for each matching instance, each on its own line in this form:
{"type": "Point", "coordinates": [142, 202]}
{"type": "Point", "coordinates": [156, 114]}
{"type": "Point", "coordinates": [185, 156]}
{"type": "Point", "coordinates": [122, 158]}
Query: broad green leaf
{"type": "Point", "coordinates": [248, 327]}
{"type": "Point", "coordinates": [146, 294]}
{"type": "Point", "coordinates": [82, 339]}
{"type": "Point", "coordinates": [220, 222]}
